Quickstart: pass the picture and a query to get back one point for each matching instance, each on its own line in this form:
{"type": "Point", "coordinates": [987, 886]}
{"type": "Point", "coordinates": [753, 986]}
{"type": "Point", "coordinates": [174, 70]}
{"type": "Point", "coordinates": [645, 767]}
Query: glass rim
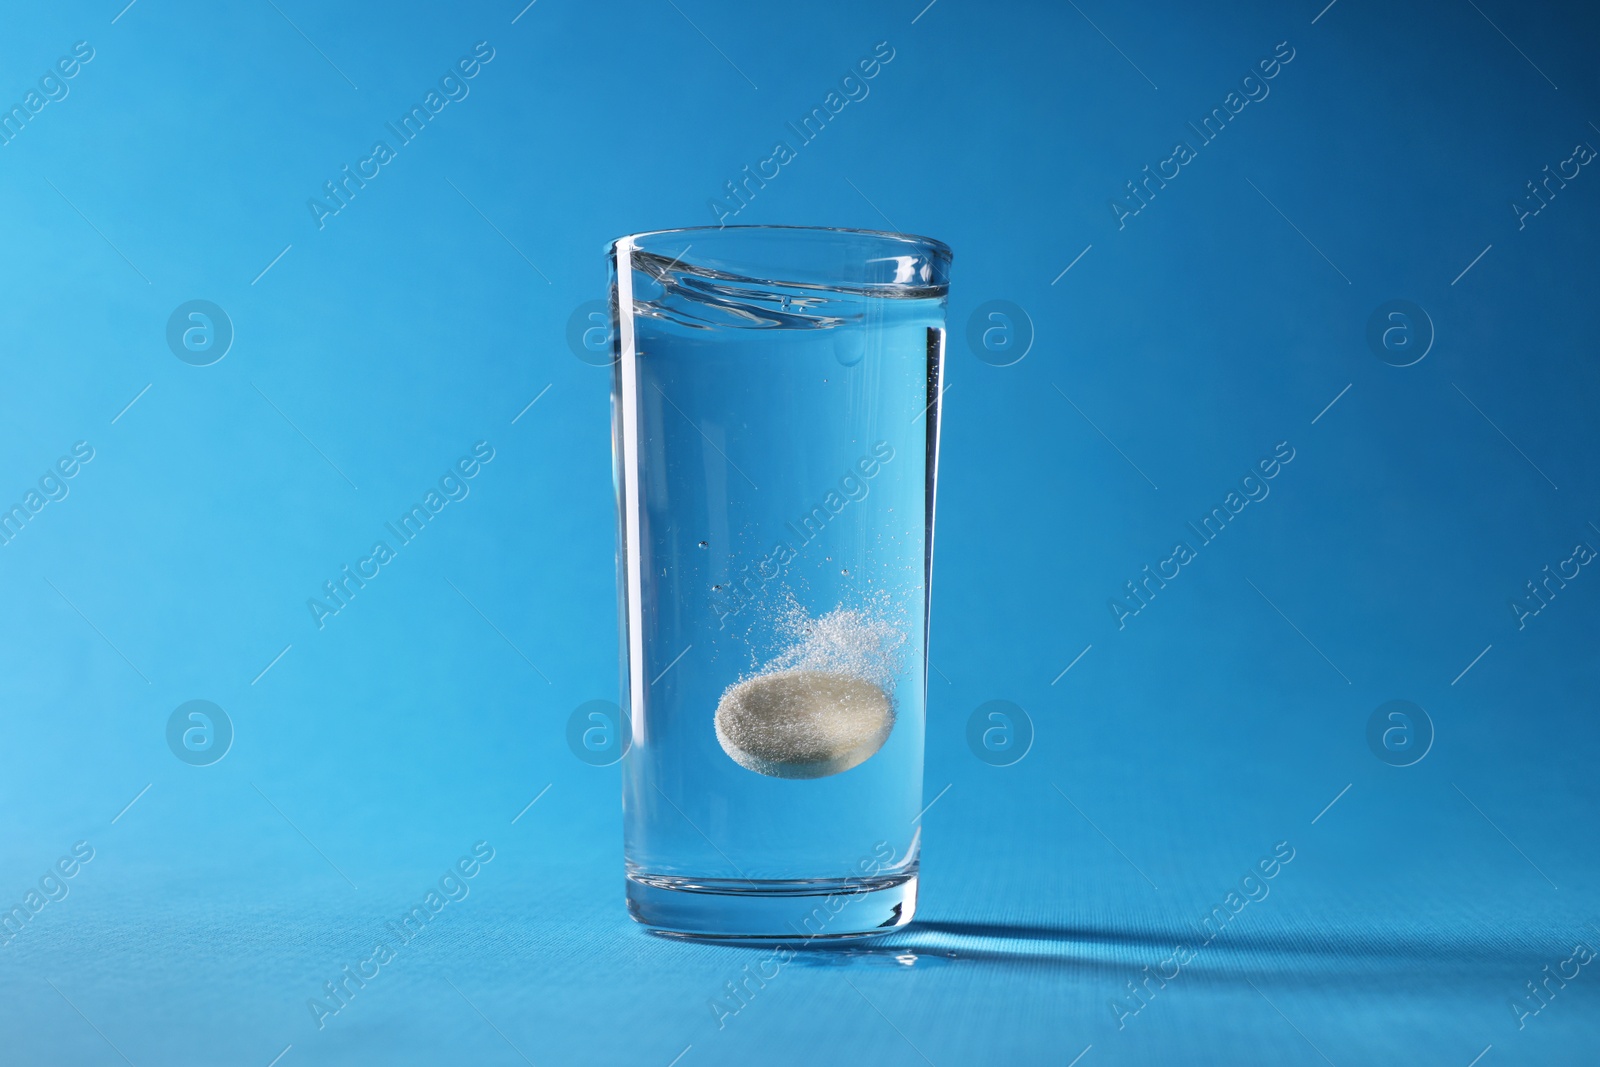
{"type": "Point", "coordinates": [933, 244]}
{"type": "Point", "coordinates": [878, 263]}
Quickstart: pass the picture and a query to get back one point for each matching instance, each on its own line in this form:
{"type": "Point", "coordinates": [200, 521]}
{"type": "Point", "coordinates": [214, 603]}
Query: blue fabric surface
{"type": "Point", "coordinates": [1179, 737]}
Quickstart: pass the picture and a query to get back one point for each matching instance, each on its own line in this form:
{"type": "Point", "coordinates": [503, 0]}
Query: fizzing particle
{"type": "Point", "coordinates": [802, 723]}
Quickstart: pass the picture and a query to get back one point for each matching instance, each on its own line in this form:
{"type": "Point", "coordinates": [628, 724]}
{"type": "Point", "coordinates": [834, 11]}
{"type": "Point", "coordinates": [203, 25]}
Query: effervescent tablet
{"type": "Point", "coordinates": [801, 723]}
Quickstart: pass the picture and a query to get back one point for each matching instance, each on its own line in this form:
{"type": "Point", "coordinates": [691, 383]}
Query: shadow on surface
{"type": "Point", "coordinates": [1442, 956]}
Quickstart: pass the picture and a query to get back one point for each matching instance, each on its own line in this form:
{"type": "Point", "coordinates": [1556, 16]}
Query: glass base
{"type": "Point", "coordinates": [721, 909]}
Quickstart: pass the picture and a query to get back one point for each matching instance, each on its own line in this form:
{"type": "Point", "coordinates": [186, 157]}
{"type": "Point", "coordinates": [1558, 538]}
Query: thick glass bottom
{"type": "Point", "coordinates": [772, 911]}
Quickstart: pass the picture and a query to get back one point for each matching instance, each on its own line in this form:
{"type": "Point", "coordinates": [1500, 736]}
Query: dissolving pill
{"type": "Point", "coordinates": [803, 723]}
{"type": "Point", "coordinates": [823, 705]}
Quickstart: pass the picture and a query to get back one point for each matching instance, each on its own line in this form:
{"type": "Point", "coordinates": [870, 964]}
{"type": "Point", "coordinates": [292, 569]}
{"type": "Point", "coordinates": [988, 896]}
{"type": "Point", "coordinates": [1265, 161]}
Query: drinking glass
{"type": "Point", "coordinates": [775, 421]}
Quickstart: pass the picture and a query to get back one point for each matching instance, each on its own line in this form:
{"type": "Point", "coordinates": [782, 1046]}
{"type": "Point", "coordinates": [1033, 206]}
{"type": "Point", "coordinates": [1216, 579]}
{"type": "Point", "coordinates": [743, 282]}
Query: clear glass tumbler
{"type": "Point", "coordinates": [775, 419]}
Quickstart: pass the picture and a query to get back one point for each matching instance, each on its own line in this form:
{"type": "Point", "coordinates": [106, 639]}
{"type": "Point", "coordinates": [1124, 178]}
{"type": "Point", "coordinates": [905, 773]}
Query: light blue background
{"type": "Point", "coordinates": [428, 713]}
